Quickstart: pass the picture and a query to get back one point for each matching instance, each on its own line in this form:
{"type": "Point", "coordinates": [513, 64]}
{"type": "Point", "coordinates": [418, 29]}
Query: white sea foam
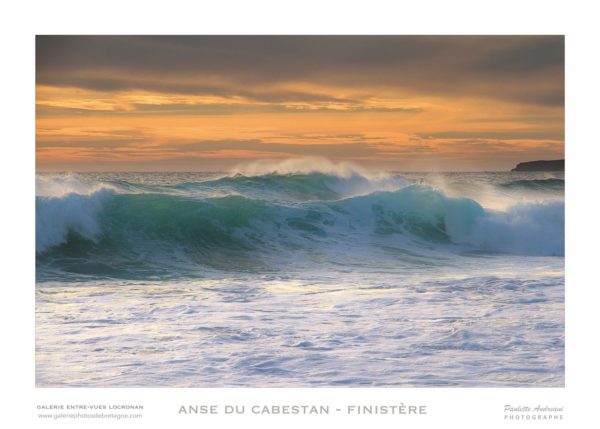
{"type": "Point", "coordinates": [308, 329]}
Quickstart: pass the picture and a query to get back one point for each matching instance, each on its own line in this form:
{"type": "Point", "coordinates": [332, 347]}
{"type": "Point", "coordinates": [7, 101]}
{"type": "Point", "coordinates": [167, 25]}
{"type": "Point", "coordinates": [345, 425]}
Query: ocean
{"type": "Point", "coordinates": [300, 276]}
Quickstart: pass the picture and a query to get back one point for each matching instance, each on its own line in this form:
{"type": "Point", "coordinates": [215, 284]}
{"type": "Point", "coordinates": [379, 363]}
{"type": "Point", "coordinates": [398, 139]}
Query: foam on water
{"type": "Point", "coordinates": [318, 330]}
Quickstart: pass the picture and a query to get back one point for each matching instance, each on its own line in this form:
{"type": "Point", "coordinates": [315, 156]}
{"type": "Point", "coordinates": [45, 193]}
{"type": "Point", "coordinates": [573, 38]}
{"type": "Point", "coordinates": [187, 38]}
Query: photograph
{"type": "Point", "coordinates": [300, 211]}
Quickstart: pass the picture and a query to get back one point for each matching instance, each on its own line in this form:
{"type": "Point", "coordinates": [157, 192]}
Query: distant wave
{"type": "Point", "coordinates": [536, 184]}
{"type": "Point", "coordinates": [99, 227]}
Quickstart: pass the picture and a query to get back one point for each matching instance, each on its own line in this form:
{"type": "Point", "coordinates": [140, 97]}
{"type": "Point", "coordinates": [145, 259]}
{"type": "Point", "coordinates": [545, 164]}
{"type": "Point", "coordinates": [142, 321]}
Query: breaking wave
{"type": "Point", "coordinates": [267, 218]}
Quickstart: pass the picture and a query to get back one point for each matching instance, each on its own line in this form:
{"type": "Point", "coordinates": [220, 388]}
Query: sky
{"type": "Point", "coordinates": [210, 103]}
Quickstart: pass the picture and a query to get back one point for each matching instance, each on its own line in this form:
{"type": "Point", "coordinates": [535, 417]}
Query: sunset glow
{"type": "Point", "coordinates": [208, 103]}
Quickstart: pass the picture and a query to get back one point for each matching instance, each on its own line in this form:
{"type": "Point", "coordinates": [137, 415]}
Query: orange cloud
{"type": "Point", "coordinates": [467, 111]}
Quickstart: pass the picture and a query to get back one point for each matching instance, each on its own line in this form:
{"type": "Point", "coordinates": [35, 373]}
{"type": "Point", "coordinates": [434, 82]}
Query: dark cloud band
{"type": "Point", "coordinates": [524, 69]}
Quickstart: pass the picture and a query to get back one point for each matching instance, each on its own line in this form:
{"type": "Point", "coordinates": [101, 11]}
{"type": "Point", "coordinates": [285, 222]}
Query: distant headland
{"type": "Point", "coordinates": [554, 165]}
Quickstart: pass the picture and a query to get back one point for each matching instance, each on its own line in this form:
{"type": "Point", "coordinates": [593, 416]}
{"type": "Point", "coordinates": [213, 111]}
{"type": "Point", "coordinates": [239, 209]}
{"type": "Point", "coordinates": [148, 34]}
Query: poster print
{"type": "Point", "coordinates": [300, 211]}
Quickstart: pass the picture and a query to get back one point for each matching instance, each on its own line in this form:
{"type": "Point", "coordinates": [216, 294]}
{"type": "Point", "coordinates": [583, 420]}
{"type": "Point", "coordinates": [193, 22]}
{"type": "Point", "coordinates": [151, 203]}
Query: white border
{"type": "Point", "coordinates": [447, 407]}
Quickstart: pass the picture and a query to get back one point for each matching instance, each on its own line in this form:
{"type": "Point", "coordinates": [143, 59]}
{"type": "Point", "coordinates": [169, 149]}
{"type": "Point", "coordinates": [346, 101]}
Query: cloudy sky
{"type": "Point", "coordinates": [140, 103]}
